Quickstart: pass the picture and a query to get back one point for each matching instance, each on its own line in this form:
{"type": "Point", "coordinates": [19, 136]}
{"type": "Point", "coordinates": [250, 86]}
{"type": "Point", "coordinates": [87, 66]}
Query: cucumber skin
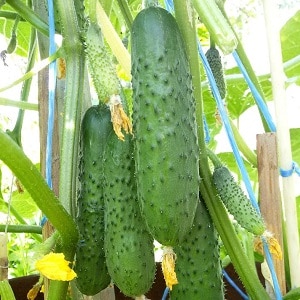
{"type": "Point", "coordinates": [198, 265]}
{"type": "Point", "coordinates": [215, 63]}
{"type": "Point", "coordinates": [237, 202]}
{"type": "Point", "coordinates": [164, 124]}
{"type": "Point", "coordinates": [129, 246]}
{"type": "Point", "coordinates": [90, 265]}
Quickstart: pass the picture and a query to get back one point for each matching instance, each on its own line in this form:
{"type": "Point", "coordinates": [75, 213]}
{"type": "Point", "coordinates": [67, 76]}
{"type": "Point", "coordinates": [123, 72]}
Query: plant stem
{"type": "Point", "coordinates": [183, 12]}
{"type": "Point", "coordinates": [126, 13]}
{"type": "Point", "coordinates": [19, 104]}
{"type": "Point", "coordinates": [17, 130]}
{"type": "Point", "coordinates": [29, 15]}
{"type": "Point", "coordinates": [23, 168]}
{"type": "Point", "coordinates": [21, 229]}
{"type": "Point", "coordinates": [75, 62]}
{"type": "Point", "coordinates": [244, 58]}
{"type": "Point", "coordinates": [38, 67]}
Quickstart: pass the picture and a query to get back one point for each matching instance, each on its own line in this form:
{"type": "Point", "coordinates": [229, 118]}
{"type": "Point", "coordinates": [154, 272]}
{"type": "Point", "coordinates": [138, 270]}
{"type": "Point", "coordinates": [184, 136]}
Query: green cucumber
{"type": "Point", "coordinates": [166, 144]}
{"type": "Point", "coordinates": [198, 265]}
{"type": "Point", "coordinates": [129, 246]}
{"type": "Point", "coordinates": [105, 79]}
{"type": "Point", "coordinates": [236, 201]}
{"type": "Point", "coordinates": [101, 67]}
{"type": "Point", "coordinates": [215, 63]}
{"type": "Point", "coordinates": [90, 265]}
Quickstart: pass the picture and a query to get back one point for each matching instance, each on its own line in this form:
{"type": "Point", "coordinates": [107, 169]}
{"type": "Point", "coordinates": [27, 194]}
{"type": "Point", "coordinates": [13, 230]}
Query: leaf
{"type": "Point", "coordinates": [290, 41]}
{"type": "Point", "coordinates": [295, 144]}
{"type": "Point", "coordinates": [24, 205]}
{"type": "Point", "coordinates": [23, 32]}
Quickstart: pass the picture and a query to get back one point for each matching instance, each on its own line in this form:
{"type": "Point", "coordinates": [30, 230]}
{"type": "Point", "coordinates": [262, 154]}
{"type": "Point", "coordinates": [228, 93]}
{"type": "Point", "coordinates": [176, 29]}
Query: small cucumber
{"type": "Point", "coordinates": [215, 63]}
{"type": "Point", "coordinates": [198, 266]}
{"type": "Point", "coordinates": [105, 79]}
{"type": "Point", "coordinates": [90, 265]}
{"type": "Point", "coordinates": [129, 246]}
{"type": "Point", "coordinates": [237, 202]}
{"type": "Point", "coordinates": [166, 145]}
{"type": "Point", "coordinates": [102, 69]}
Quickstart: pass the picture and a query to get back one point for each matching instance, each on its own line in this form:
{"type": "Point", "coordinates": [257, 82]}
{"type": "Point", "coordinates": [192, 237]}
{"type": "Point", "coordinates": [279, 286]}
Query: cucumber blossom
{"type": "Point", "coordinates": [166, 145]}
{"type": "Point", "coordinates": [237, 202]}
{"type": "Point", "coordinates": [198, 265]}
{"type": "Point", "coordinates": [215, 63]}
{"type": "Point", "coordinates": [128, 244]}
{"type": "Point", "coordinates": [90, 264]}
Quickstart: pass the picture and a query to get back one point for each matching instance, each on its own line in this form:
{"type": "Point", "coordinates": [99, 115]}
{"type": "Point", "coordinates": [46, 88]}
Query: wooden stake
{"type": "Point", "coordinates": [269, 195]}
{"type": "Point", "coordinates": [3, 257]}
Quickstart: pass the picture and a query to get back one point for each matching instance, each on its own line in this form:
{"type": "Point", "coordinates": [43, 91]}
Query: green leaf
{"type": "Point", "coordinates": [23, 31]}
{"type": "Point", "coordinates": [290, 40]}
{"type": "Point", "coordinates": [24, 205]}
{"type": "Point", "coordinates": [295, 144]}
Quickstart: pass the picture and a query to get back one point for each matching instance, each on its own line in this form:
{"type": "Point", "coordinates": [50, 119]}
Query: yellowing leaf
{"type": "Point", "coordinates": [55, 267]}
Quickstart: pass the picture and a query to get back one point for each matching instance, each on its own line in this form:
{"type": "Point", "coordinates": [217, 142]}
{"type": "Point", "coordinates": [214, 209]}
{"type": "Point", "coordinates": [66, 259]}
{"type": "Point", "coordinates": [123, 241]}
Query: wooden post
{"type": "Point", "coordinates": [269, 195]}
{"type": "Point", "coordinates": [3, 257]}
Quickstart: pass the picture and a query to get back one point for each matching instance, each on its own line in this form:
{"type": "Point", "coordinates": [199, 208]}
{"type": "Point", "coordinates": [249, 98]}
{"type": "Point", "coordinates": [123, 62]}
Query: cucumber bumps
{"type": "Point", "coordinates": [166, 144]}
{"type": "Point", "coordinates": [198, 266]}
{"type": "Point", "coordinates": [90, 265]}
{"type": "Point", "coordinates": [129, 246]}
{"type": "Point", "coordinates": [237, 202]}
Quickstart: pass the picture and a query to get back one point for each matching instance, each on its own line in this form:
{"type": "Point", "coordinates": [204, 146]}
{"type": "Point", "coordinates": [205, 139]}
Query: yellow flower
{"type": "Point", "coordinates": [55, 267]}
{"type": "Point", "coordinates": [168, 267]}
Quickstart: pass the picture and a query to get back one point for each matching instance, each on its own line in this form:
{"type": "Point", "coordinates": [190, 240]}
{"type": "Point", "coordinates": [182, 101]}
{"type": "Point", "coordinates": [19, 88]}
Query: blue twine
{"type": "Point", "coordinates": [51, 100]}
{"type": "Point", "coordinates": [165, 294]}
{"type": "Point", "coordinates": [51, 96]}
{"type": "Point", "coordinates": [234, 285]}
{"type": "Point", "coordinates": [259, 100]}
{"type": "Point", "coordinates": [287, 173]}
{"type": "Point", "coordinates": [206, 129]}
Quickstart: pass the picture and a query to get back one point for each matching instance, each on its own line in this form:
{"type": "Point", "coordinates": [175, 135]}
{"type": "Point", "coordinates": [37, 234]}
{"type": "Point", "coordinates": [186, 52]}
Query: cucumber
{"type": "Point", "coordinates": [198, 265]}
{"type": "Point", "coordinates": [90, 265]}
{"type": "Point", "coordinates": [105, 79]}
{"type": "Point", "coordinates": [237, 202]}
{"type": "Point", "coordinates": [129, 246]}
{"type": "Point", "coordinates": [166, 144]}
{"type": "Point", "coordinates": [215, 63]}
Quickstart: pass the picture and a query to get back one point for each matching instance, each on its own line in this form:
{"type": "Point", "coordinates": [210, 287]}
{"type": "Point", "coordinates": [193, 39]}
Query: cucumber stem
{"type": "Point", "coordinates": [244, 58]}
{"type": "Point", "coordinates": [126, 13]}
{"type": "Point", "coordinates": [18, 104]}
{"type": "Point", "coordinates": [29, 15]}
{"type": "Point", "coordinates": [21, 229]}
{"type": "Point", "coordinates": [17, 130]}
{"type": "Point", "coordinates": [23, 168]}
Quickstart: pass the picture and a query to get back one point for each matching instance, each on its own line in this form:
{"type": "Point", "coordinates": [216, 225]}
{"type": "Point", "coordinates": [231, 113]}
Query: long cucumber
{"type": "Point", "coordinates": [90, 265]}
{"type": "Point", "coordinates": [164, 126]}
{"type": "Point", "coordinates": [129, 246]}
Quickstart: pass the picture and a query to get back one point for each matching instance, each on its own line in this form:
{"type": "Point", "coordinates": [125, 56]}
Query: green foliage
{"type": "Point", "coordinates": [22, 33]}
{"type": "Point", "coordinates": [290, 40]}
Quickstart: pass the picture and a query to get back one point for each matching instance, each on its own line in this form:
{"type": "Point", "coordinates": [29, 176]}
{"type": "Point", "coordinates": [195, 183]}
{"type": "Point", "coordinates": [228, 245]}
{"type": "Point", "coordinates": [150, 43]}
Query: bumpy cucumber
{"type": "Point", "coordinates": [237, 202]}
{"type": "Point", "coordinates": [215, 63]}
{"type": "Point", "coordinates": [129, 246]}
{"type": "Point", "coordinates": [101, 67]}
{"type": "Point", "coordinates": [198, 266]}
{"type": "Point", "coordinates": [164, 126]}
{"type": "Point", "coordinates": [106, 81]}
{"type": "Point", "coordinates": [90, 265]}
